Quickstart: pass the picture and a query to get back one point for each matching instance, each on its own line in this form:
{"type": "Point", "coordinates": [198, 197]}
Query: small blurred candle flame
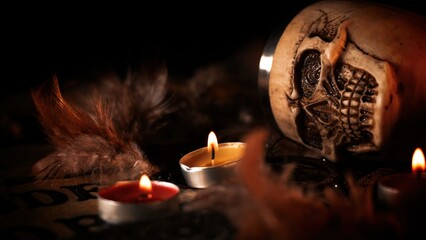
{"type": "Point", "coordinates": [418, 162]}
{"type": "Point", "coordinates": [145, 186]}
{"type": "Point", "coordinates": [212, 144]}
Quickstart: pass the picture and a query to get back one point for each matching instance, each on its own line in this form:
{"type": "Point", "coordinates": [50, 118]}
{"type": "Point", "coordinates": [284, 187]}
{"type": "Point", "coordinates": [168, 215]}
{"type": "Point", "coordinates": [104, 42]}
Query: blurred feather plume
{"type": "Point", "coordinates": [101, 137]}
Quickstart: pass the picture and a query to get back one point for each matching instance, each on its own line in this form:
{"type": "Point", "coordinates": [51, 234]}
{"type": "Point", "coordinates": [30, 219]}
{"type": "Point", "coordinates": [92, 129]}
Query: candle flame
{"type": "Point", "coordinates": [145, 186]}
{"type": "Point", "coordinates": [418, 162]}
{"type": "Point", "coordinates": [212, 145]}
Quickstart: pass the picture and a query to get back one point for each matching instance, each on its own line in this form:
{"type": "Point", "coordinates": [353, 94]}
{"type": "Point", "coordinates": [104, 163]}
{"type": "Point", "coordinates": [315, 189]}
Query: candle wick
{"type": "Point", "coordinates": [213, 153]}
{"type": "Point", "coordinates": [145, 195]}
{"type": "Point", "coordinates": [418, 173]}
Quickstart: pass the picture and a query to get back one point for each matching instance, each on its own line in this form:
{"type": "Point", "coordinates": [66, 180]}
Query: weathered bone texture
{"type": "Point", "coordinates": [345, 73]}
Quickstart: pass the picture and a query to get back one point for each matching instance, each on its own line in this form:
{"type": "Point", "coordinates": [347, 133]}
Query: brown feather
{"type": "Point", "coordinates": [103, 137]}
{"type": "Point", "coordinates": [59, 119]}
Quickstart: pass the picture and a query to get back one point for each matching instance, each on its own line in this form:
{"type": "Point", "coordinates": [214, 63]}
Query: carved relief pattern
{"type": "Point", "coordinates": [336, 99]}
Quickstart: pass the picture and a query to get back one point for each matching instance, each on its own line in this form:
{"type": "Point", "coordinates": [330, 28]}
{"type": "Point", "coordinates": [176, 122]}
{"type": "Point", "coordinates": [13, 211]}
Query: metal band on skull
{"type": "Point", "coordinates": [344, 73]}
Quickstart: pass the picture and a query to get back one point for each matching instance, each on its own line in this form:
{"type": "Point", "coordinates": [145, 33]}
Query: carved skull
{"type": "Point", "coordinates": [342, 74]}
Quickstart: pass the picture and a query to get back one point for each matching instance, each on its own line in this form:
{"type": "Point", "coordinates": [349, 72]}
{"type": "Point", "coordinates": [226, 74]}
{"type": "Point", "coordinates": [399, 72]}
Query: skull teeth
{"type": "Point", "coordinates": [349, 111]}
{"type": "Point", "coordinates": [357, 102]}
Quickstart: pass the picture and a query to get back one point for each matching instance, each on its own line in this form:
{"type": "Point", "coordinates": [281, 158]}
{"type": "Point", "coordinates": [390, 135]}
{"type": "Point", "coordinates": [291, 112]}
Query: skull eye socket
{"type": "Point", "coordinates": [308, 130]}
{"type": "Point", "coordinates": [307, 72]}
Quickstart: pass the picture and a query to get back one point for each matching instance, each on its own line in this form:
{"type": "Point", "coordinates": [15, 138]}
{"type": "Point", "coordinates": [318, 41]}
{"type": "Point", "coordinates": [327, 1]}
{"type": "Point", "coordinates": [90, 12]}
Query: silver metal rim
{"type": "Point", "coordinates": [264, 73]}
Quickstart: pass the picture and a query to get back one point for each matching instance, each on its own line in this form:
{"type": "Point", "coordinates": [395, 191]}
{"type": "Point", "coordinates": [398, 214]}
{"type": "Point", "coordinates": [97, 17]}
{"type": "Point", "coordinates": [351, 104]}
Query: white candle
{"type": "Point", "coordinates": [213, 164]}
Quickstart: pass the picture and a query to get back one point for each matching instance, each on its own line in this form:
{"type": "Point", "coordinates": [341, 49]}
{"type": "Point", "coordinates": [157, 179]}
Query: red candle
{"type": "Point", "coordinates": [139, 192]}
{"type": "Point", "coordinates": [128, 201]}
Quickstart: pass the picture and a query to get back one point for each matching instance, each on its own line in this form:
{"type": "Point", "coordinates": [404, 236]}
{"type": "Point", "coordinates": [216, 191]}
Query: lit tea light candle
{"type": "Point", "coordinates": [213, 164]}
{"type": "Point", "coordinates": [129, 201]}
{"type": "Point", "coordinates": [212, 145]}
{"type": "Point", "coordinates": [393, 187]}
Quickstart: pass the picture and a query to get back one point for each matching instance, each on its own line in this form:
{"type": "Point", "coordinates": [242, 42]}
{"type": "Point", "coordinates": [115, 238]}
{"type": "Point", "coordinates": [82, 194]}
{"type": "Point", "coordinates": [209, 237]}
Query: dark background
{"type": "Point", "coordinates": [70, 39]}
{"type": "Point", "coordinates": [76, 39]}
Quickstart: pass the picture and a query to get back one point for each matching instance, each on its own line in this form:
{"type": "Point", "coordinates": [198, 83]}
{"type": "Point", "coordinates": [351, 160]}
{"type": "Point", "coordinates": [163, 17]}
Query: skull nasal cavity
{"type": "Point", "coordinates": [307, 72]}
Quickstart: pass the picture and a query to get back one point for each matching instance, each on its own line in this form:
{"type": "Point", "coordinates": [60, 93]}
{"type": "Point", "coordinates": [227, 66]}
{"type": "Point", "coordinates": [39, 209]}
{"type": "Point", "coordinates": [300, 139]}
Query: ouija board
{"type": "Point", "coordinates": [68, 209]}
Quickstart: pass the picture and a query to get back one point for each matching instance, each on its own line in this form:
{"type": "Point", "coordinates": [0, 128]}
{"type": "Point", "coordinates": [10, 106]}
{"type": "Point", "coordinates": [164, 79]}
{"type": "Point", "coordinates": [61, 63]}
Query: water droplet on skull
{"type": "Point", "coordinates": [363, 118]}
{"type": "Point", "coordinates": [370, 92]}
{"type": "Point", "coordinates": [368, 99]}
{"type": "Point", "coordinates": [372, 84]}
{"type": "Point", "coordinates": [363, 111]}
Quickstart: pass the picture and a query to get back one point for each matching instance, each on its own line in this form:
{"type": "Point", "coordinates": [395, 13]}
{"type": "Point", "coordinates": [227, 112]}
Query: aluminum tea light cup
{"type": "Point", "coordinates": [125, 202]}
{"type": "Point", "coordinates": [203, 167]}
